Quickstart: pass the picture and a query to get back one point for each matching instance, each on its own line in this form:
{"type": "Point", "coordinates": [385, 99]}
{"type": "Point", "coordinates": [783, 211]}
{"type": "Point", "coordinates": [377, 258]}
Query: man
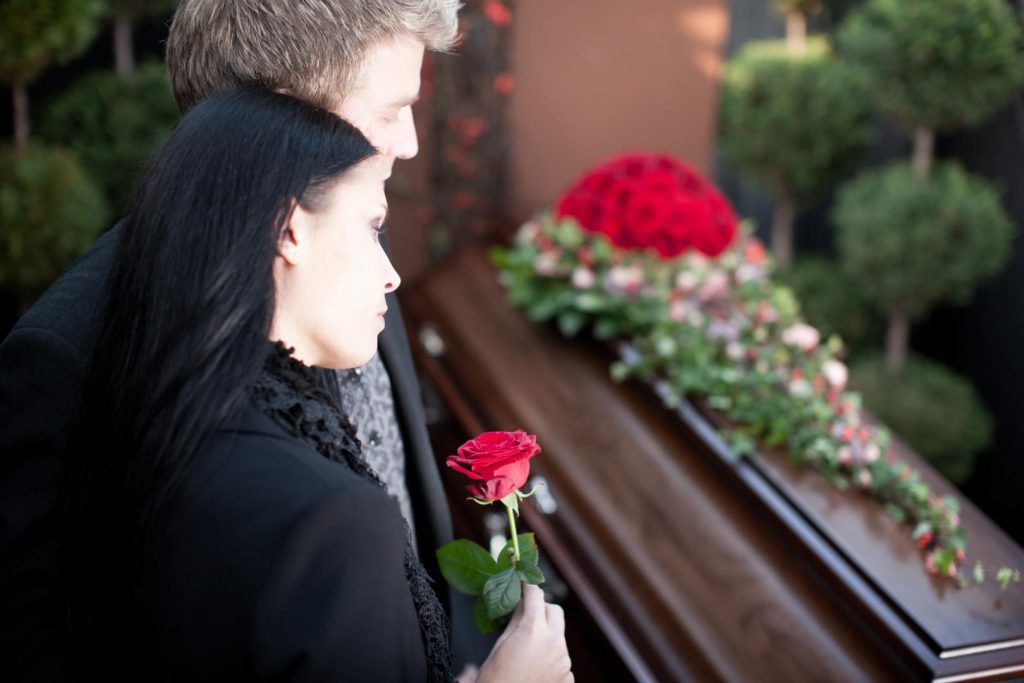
{"type": "Point", "coordinates": [358, 58]}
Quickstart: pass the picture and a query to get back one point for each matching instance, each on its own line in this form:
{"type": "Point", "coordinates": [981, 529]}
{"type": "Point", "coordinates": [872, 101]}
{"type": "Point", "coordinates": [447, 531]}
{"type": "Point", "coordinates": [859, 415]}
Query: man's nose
{"type": "Point", "coordinates": [405, 145]}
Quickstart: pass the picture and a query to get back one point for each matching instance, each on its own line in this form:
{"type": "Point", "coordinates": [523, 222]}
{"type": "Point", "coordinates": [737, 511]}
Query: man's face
{"type": "Point", "coordinates": [380, 104]}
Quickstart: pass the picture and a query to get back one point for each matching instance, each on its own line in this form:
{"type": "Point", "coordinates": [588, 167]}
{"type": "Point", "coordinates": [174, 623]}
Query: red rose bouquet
{"type": "Point", "coordinates": [498, 463]}
{"type": "Point", "coordinates": [651, 201]}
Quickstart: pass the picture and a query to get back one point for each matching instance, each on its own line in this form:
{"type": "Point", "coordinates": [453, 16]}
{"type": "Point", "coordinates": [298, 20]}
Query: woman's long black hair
{"type": "Point", "coordinates": [185, 329]}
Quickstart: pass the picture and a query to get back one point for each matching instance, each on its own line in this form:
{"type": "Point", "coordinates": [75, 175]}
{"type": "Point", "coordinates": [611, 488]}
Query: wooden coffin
{"type": "Point", "coordinates": [678, 560]}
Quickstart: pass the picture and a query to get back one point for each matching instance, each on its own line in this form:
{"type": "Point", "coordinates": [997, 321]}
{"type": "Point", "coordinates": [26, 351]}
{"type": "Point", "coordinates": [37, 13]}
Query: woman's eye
{"type": "Point", "coordinates": [378, 229]}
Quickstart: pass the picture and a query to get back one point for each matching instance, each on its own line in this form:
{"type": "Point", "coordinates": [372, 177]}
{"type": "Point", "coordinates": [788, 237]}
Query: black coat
{"type": "Point", "coordinates": [42, 367]}
{"type": "Point", "coordinates": [278, 564]}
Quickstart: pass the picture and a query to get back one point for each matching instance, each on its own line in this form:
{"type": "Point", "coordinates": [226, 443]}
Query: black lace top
{"type": "Point", "coordinates": [291, 394]}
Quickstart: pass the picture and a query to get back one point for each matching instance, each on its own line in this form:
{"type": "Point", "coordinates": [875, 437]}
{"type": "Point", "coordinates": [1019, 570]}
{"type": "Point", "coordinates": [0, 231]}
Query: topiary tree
{"type": "Point", "coordinates": [124, 14]}
{"type": "Point", "coordinates": [831, 301]}
{"type": "Point", "coordinates": [113, 123]}
{"type": "Point", "coordinates": [793, 124]}
{"type": "Point", "coordinates": [911, 244]}
{"type": "Point", "coordinates": [49, 213]}
{"type": "Point", "coordinates": [35, 34]}
{"type": "Point", "coordinates": [937, 65]}
{"type": "Point", "coordinates": [949, 432]}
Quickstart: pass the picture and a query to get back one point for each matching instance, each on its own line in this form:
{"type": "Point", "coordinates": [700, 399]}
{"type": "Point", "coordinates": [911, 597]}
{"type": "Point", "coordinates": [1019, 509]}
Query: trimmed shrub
{"type": "Point", "coordinates": [36, 33]}
{"type": "Point", "coordinates": [932, 408]}
{"type": "Point", "coordinates": [793, 124]}
{"type": "Point", "coordinates": [50, 212]}
{"type": "Point", "coordinates": [938, 64]}
{"type": "Point", "coordinates": [911, 244]}
{"type": "Point", "coordinates": [114, 124]}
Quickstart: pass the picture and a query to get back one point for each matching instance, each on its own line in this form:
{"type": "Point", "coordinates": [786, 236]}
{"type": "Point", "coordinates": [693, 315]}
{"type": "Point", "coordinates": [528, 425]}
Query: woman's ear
{"type": "Point", "coordinates": [296, 238]}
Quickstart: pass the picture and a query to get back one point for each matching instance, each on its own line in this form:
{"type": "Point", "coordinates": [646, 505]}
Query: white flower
{"type": "Point", "coordinates": [845, 455]}
{"type": "Point", "coordinates": [687, 280]}
{"type": "Point", "coordinates": [547, 264]}
{"type": "Point", "coordinates": [864, 479]}
{"type": "Point", "coordinates": [748, 272]}
{"type": "Point", "coordinates": [735, 350]}
{"type": "Point", "coordinates": [696, 318]}
{"type": "Point", "coordinates": [872, 453]}
{"type": "Point", "coordinates": [528, 232]}
{"type": "Point", "coordinates": [626, 277]}
{"type": "Point", "coordinates": [800, 387]}
{"type": "Point", "coordinates": [835, 373]}
{"type": "Point", "coordinates": [802, 336]}
{"type": "Point", "coordinates": [582, 277]}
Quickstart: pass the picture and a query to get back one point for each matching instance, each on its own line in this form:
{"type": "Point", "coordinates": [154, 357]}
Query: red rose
{"type": "Point", "coordinates": [651, 201]}
{"type": "Point", "coordinates": [498, 462]}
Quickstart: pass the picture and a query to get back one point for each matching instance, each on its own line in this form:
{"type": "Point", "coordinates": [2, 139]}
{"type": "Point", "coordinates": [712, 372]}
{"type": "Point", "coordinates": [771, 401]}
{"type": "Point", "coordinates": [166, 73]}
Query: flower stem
{"type": "Point", "coordinates": [515, 536]}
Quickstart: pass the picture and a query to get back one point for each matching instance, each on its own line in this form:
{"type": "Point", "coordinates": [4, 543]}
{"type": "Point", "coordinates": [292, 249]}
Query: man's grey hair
{"type": "Point", "coordinates": [314, 49]}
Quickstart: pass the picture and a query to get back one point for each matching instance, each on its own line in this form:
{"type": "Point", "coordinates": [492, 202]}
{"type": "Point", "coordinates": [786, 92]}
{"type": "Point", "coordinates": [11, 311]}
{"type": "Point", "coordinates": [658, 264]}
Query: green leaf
{"type": "Point", "coordinates": [530, 573]}
{"type": "Point", "coordinates": [527, 552]}
{"type": "Point", "coordinates": [571, 322]}
{"type": "Point", "coordinates": [466, 566]}
{"type": "Point", "coordinates": [502, 592]}
{"type": "Point", "coordinates": [483, 622]}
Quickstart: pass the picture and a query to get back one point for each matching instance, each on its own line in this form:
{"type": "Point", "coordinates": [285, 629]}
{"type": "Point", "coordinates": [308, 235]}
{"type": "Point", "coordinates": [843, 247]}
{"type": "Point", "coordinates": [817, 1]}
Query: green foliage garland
{"type": "Point", "coordinates": [725, 331]}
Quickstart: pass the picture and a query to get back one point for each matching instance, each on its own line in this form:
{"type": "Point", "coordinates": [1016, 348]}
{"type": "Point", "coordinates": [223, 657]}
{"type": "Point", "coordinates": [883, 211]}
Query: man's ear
{"type": "Point", "coordinates": [296, 238]}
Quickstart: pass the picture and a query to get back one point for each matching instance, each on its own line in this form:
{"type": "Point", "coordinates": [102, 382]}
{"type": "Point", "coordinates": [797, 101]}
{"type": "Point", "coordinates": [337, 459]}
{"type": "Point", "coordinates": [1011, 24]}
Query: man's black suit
{"type": "Point", "coordinates": [42, 367]}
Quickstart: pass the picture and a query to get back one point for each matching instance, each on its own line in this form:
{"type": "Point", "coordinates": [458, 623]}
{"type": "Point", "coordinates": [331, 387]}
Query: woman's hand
{"type": "Point", "coordinates": [532, 648]}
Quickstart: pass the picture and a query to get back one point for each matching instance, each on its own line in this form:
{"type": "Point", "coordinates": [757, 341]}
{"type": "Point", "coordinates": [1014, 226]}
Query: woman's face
{"type": "Point", "coordinates": [331, 272]}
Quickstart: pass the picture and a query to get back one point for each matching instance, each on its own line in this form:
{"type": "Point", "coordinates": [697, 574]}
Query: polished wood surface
{"type": "Point", "coordinates": [692, 564]}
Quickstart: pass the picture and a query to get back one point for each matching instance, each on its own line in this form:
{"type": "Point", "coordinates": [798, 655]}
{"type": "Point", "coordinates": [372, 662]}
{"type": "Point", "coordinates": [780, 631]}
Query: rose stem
{"type": "Point", "coordinates": [515, 536]}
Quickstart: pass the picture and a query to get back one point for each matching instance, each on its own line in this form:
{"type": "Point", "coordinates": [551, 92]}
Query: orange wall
{"type": "Point", "coordinates": [596, 77]}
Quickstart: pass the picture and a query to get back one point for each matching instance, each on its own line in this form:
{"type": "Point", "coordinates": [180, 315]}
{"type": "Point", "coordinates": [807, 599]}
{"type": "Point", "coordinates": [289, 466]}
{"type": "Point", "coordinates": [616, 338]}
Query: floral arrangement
{"type": "Point", "coordinates": [498, 464]}
{"type": "Point", "coordinates": [696, 300]}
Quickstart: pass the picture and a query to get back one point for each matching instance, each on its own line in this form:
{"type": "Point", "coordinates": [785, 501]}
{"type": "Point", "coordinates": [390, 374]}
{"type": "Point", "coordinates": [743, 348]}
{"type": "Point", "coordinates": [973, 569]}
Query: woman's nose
{"type": "Point", "coordinates": [391, 277]}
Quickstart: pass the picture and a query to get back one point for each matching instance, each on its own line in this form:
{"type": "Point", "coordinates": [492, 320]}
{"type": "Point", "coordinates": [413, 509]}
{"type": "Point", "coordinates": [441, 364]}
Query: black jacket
{"type": "Point", "coordinates": [278, 564]}
{"type": "Point", "coordinates": [42, 366]}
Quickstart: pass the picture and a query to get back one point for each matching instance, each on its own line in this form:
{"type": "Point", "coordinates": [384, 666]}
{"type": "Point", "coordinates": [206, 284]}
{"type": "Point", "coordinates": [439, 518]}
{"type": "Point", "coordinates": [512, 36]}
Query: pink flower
{"type": "Point", "coordinates": [865, 479]}
{"type": "Point", "coordinates": [835, 373]}
{"type": "Point", "coordinates": [802, 336]}
{"type": "Point", "coordinates": [582, 278]}
{"type": "Point", "coordinates": [715, 285]}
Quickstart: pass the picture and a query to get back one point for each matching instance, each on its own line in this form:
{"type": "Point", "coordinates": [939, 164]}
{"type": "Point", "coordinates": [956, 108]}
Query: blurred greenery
{"type": "Point", "coordinates": [114, 124]}
{"type": "Point", "coordinates": [50, 212]}
{"type": "Point", "coordinates": [910, 244]}
{"type": "Point", "coordinates": [831, 301]}
{"type": "Point", "coordinates": [932, 408]}
{"type": "Point", "coordinates": [938, 64]}
{"type": "Point", "coordinates": [794, 124]}
{"type": "Point", "coordinates": [37, 33]}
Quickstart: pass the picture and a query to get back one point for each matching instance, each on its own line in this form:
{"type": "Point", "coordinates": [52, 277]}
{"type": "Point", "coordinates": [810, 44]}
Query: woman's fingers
{"type": "Point", "coordinates": [556, 619]}
{"type": "Point", "coordinates": [532, 602]}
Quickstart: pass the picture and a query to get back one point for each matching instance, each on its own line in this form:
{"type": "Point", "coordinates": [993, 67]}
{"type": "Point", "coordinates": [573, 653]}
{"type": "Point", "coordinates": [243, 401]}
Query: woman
{"type": "Point", "coordinates": [223, 525]}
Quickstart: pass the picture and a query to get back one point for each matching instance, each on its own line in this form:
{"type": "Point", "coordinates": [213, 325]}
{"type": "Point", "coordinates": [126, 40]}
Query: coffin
{"type": "Point", "coordinates": [676, 560]}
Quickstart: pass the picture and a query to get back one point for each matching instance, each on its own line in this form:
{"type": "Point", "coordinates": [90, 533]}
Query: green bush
{"type": "Point", "coordinates": [114, 124]}
{"type": "Point", "coordinates": [938, 64]}
{"type": "Point", "coordinates": [933, 409]}
{"type": "Point", "coordinates": [36, 33]}
{"type": "Point", "coordinates": [50, 212]}
{"type": "Point", "coordinates": [830, 301]}
{"type": "Point", "coordinates": [911, 244]}
{"type": "Point", "coordinates": [793, 124]}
